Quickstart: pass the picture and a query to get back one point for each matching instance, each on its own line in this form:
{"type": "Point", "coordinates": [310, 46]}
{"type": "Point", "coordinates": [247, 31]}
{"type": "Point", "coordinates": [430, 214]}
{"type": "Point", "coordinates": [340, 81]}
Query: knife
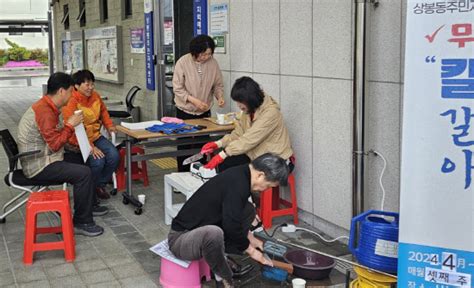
{"type": "Point", "coordinates": [193, 158]}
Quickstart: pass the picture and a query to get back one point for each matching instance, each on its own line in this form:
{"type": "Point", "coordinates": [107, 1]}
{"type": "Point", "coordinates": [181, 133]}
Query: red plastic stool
{"type": "Point", "coordinates": [270, 202]}
{"type": "Point", "coordinates": [138, 172]}
{"type": "Point", "coordinates": [50, 201]}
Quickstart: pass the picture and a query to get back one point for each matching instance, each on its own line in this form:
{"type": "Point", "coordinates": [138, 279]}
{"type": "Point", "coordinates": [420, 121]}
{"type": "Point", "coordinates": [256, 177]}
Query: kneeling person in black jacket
{"type": "Point", "coordinates": [217, 218]}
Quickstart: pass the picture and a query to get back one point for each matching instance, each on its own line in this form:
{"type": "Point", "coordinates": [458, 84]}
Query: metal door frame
{"type": "Point", "coordinates": [160, 68]}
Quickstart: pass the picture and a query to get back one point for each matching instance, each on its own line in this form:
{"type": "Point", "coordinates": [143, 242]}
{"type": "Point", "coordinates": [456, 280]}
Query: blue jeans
{"type": "Point", "coordinates": [103, 168]}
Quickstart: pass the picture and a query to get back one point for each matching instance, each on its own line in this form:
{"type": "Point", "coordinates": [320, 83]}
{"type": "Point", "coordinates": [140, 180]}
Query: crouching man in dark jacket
{"type": "Point", "coordinates": [217, 218]}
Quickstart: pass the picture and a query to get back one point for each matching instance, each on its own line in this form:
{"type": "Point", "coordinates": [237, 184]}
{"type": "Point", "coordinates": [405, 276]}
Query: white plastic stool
{"type": "Point", "coordinates": [183, 182]}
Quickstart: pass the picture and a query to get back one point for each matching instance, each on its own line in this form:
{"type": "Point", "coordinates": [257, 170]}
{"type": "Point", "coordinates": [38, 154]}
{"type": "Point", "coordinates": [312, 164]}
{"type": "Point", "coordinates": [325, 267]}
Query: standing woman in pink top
{"type": "Point", "coordinates": [197, 79]}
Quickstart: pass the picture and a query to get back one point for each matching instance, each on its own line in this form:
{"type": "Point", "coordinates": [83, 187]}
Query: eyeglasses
{"type": "Point", "coordinates": [205, 54]}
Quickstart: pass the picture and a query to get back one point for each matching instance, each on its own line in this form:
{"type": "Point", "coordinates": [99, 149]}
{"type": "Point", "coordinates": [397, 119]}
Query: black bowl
{"type": "Point", "coordinates": [309, 265]}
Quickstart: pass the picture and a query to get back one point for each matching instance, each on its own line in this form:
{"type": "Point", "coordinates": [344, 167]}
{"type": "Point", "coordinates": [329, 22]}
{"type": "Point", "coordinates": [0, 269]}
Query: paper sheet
{"type": "Point", "coordinates": [140, 125]}
{"type": "Point", "coordinates": [163, 250]}
{"type": "Point", "coordinates": [83, 141]}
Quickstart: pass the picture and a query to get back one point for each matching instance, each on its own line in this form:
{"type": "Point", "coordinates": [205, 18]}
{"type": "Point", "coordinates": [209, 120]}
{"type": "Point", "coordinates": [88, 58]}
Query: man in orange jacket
{"type": "Point", "coordinates": [104, 157]}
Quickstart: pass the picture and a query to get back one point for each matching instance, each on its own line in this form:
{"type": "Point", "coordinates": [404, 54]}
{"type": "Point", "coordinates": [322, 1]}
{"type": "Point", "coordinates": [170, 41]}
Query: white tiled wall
{"type": "Point", "coordinates": [296, 101]}
{"type": "Point", "coordinates": [266, 37]}
{"type": "Point", "coordinates": [383, 136]}
{"type": "Point", "coordinates": [332, 39]}
{"type": "Point", "coordinates": [301, 53]}
{"type": "Point", "coordinates": [332, 146]}
{"type": "Point", "coordinates": [384, 41]}
{"type": "Point", "coordinates": [295, 37]}
{"type": "Point", "coordinates": [241, 35]}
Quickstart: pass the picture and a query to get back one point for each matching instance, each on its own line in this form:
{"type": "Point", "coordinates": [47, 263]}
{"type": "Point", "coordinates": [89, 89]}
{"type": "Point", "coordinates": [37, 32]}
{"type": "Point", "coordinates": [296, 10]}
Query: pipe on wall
{"type": "Point", "coordinates": [359, 89]}
{"type": "Point", "coordinates": [358, 92]}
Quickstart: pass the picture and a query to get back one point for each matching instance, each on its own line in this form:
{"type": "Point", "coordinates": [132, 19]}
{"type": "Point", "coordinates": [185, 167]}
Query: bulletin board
{"type": "Point", "coordinates": [72, 51]}
{"type": "Point", "coordinates": [104, 53]}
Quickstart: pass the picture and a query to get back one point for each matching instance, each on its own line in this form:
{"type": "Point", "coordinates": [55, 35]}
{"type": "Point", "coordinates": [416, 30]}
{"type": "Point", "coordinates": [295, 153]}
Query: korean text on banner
{"type": "Point", "coordinates": [149, 45]}
{"type": "Point", "coordinates": [436, 240]}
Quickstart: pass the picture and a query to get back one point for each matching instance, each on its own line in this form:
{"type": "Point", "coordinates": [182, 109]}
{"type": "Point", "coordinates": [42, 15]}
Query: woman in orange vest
{"type": "Point", "coordinates": [104, 158]}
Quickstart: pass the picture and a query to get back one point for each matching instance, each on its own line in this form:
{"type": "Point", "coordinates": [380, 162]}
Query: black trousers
{"type": "Point", "coordinates": [185, 116]}
{"type": "Point", "coordinates": [208, 242]}
{"type": "Point", "coordinates": [80, 177]}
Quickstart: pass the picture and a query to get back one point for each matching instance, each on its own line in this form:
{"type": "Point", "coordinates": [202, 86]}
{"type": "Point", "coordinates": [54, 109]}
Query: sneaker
{"type": "Point", "coordinates": [237, 269]}
{"type": "Point", "coordinates": [89, 229]}
{"type": "Point", "coordinates": [98, 210]}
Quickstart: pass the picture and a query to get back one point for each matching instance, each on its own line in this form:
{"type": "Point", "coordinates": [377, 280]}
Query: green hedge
{"type": "Point", "coordinates": [19, 53]}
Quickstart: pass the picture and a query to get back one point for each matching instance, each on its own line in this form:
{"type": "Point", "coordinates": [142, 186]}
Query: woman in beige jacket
{"type": "Point", "coordinates": [260, 130]}
{"type": "Point", "coordinates": [197, 79]}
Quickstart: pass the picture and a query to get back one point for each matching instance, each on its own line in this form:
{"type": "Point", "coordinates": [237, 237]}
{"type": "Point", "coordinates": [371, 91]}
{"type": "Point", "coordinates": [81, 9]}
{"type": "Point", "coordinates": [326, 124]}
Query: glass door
{"type": "Point", "coordinates": [164, 35]}
{"type": "Point", "coordinates": [174, 30]}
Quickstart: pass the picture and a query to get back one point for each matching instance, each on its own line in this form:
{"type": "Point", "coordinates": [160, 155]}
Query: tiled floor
{"type": "Point", "coordinates": [118, 258]}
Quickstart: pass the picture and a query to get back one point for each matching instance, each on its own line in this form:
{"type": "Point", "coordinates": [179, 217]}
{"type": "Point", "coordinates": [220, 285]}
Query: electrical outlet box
{"type": "Point", "coordinates": [290, 228]}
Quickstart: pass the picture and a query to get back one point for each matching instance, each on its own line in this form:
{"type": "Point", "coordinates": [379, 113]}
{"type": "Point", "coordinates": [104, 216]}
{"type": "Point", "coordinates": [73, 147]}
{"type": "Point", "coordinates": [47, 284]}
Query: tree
{"type": "Point", "coordinates": [3, 57]}
{"type": "Point", "coordinates": [16, 52]}
{"type": "Point", "coordinates": [41, 55]}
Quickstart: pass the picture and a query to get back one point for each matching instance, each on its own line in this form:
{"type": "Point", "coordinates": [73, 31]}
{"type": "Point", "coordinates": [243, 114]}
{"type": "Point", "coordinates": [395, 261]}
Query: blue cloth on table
{"type": "Point", "coordinates": [172, 128]}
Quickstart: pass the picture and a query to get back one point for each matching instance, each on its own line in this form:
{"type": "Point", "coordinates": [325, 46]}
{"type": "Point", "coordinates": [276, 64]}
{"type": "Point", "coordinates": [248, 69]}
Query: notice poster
{"type": "Point", "coordinates": [218, 19]}
{"type": "Point", "coordinates": [168, 34]}
{"type": "Point", "coordinates": [72, 56]}
{"type": "Point", "coordinates": [220, 44]}
{"type": "Point", "coordinates": [137, 41]}
{"type": "Point", "coordinates": [104, 53]}
{"type": "Point", "coordinates": [436, 240]}
{"type": "Point", "coordinates": [72, 51]}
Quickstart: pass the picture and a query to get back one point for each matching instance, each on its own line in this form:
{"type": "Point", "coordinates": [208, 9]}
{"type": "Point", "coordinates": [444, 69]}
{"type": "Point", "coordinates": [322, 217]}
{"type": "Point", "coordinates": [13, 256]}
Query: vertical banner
{"type": "Point", "coordinates": [436, 240]}
{"type": "Point", "coordinates": [149, 45]}
{"type": "Point", "coordinates": [200, 17]}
